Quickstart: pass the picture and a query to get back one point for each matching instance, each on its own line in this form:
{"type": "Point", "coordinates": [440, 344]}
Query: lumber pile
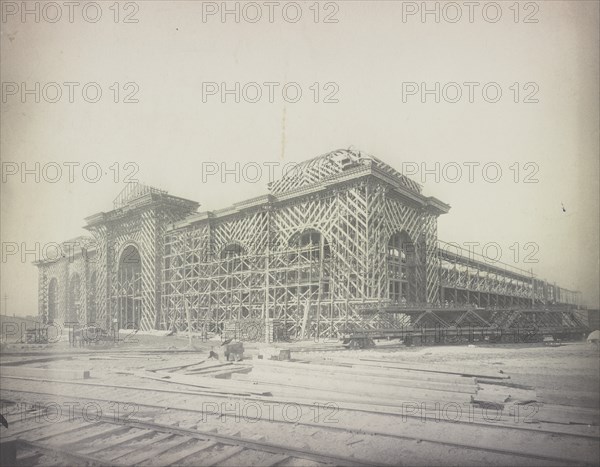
{"type": "Point", "coordinates": [381, 386]}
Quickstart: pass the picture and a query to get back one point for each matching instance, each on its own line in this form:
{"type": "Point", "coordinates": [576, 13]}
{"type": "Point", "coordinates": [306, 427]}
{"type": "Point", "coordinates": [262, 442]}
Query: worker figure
{"type": "Point", "coordinates": [213, 354]}
{"type": "Point", "coordinates": [234, 351]}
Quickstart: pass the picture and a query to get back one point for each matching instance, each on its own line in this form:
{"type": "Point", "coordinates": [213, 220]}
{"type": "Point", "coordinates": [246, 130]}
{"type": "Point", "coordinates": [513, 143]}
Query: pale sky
{"type": "Point", "coordinates": [369, 53]}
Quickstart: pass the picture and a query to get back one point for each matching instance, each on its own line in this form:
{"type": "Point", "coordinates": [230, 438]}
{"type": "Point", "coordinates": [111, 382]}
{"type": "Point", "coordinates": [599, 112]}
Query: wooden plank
{"type": "Point", "coordinates": [200, 389]}
{"type": "Point", "coordinates": [34, 360]}
{"type": "Point", "coordinates": [228, 454]}
{"type": "Point", "coordinates": [357, 391]}
{"type": "Point", "coordinates": [157, 439]}
{"type": "Point", "coordinates": [63, 432]}
{"type": "Point", "coordinates": [74, 458]}
{"type": "Point", "coordinates": [569, 398]}
{"type": "Point", "coordinates": [309, 375]}
{"type": "Point", "coordinates": [276, 460]}
{"type": "Point", "coordinates": [204, 364]}
{"type": "Point", "coordinates": [221, 374]}
{"type": "Point", "coordinates": [151, 453]}
{"type": "Point", "coordinates": [131, 435]}
{"type": "Point", "coordinates": [565, 415]}
{"type": "Point", "coordinates": [45, 373]}
{"type": "Point", "coordinates": [206, 384]}
{"type": "Point", "coordinates": [289, 395]}
{"type": "Point", "coordinates": [183, 455]}
{"type": "Point", "coordinates": [389, 400]}
{"type": "Point", "coordinates": [328, 367]}
{"type": "Point", "coordinates": [23, 416]}
{"type": "Point", "coordinates": [107, 431]}
{"type": "Point", "coordinates": [37, 426]}
{"type": "Point", "coordinates": [430, 369]}
{"type": "Point", "coordinates": [224, 367]}
{"type": "Point", "coordinates": [448, 368]}
{"type": "Point", "coordinates": [507, 394]}
{"type": "Point", "coordinates": [508, 384]}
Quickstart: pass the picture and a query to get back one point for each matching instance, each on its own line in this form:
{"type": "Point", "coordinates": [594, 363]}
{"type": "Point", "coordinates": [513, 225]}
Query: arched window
{"type": "Point", "coordinates": [312, 245]}
{"type": "Point", "coordinates": [310, 254]}
{"type": "Point", "coordinates": [400, 260]}
{"type": "Point", "coordinates": [74, 299]}
{"type": "Point", "coordinates": [129, 288]}
{"type": "Point", "coordinates": [52, 300]}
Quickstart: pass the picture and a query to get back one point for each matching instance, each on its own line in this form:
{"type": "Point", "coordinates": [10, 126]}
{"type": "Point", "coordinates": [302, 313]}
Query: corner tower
{"type": "Point", "coordinates": [129, 254]}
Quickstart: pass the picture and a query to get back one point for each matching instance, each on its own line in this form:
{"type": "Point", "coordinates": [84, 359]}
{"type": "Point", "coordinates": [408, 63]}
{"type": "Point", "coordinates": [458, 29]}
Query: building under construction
{"type": "Point", "coordinates": [343, 241]}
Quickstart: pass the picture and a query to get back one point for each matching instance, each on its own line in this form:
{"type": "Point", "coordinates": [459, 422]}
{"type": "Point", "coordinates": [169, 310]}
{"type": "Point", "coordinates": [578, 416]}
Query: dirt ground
{"type": "Point", "coordinates": [570, 370]}
{"type": "Point", "coordinates": [572, 366]}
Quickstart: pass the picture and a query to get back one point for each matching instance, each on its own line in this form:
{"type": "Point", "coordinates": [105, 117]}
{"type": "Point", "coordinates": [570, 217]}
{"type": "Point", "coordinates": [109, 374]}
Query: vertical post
{"type": "Point", "coordinates": [320, 287]}
{"type": "Point", "coordinates": [347, 309]}
{"type": "Point", "coordinates": [189, 322]}
{"type": "Point", "coordinates": [86, 282]}
{"type": "Point", "coordinates": [479, 288]}
{"type": "Point", "coordinates": [267, 312]}
{"type": "Point", "coordinates": [468, 291]}
{"type": "Point", "coordinates": [532, 290]}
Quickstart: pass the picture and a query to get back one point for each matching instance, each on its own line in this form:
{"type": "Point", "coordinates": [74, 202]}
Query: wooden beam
{"type": "Point", "coordinates": [185, 454]}
{"type": "Point", "coordinates": [45, 372]}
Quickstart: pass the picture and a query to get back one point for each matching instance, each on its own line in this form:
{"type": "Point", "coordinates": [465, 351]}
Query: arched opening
{"type": "Point", "coordinates": [307, 282]}
{"type": "Point", "coordinates": [74, 299]}
{"type": "Point", "coordinates": [312, 245]}
{"type": "Point", "coordinates": [92, 299]}
{"type": "Point", "coordinates": [129, 289]}
{"type": "Point", "coordinates": [400, 262]}
{"type": "Point", "coordinates": [52, 300]}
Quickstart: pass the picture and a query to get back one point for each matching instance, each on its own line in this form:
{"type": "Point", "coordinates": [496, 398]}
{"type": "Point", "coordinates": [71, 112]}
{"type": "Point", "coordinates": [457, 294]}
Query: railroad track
{"type": "Point", "coordinates": [480, 422]}
{"type": "Point", "coordinates": [229, 448]}
{"type": "Point", "coordinates": [128, 442]}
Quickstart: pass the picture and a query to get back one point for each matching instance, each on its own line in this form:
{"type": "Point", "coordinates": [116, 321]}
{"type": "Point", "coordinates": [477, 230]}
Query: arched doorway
{"type": "Point", "coordinates": [129, 288]}
{"type": "Point", "coordinates": [400, 267]}
{"type": "Point", "coordinates": [74, 299]}
{"type": "Point", "coordinates": [52, 300]}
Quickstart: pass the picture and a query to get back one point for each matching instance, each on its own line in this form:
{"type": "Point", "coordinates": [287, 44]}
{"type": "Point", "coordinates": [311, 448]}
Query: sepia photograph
{"type": "Point", "coordinates": [300, 233]}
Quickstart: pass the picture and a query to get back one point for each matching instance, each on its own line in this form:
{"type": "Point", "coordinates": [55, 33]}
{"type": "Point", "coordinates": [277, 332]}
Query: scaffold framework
{"type": "Point", "coordinates": [341, 242]}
